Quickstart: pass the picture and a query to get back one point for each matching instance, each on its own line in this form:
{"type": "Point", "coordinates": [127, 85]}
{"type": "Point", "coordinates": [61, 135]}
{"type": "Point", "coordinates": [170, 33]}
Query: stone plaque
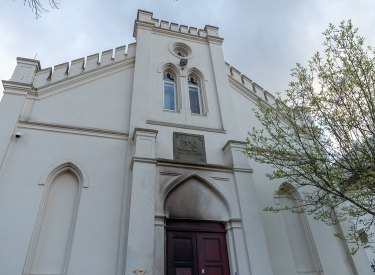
{"type": "Point", "coordinates": [188, 147]}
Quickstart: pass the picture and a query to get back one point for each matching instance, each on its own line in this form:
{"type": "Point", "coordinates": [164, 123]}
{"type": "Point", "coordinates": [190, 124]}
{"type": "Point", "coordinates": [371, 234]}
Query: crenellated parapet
{"type": "Point", "coordinates": [145, 19]}
{"type": "Point", "coordinates": [82, 65]}
{"type": "Point", "coordinates": [249, 85]}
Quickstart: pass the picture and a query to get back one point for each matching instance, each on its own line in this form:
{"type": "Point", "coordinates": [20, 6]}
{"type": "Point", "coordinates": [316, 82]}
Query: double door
{"type": "Point", "coordinates": [195, 248]}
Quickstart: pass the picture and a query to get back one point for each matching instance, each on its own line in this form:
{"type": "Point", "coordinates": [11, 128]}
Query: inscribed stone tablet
{"type": "Point", "coordinates": [188, 147]}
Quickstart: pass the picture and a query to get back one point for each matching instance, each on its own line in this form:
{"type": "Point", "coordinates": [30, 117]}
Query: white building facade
{"type": "Point", "coordinates": [134, 165]}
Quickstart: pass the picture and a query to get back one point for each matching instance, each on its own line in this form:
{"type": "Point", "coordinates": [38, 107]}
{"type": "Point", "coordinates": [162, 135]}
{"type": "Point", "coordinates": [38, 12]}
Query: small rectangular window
{"type": "Point", "coordinates": [195, 105]}
{"type": "Point", "coordinates": [169, 96]}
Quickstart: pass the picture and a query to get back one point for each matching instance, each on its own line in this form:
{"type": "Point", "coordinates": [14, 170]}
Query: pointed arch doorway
{"type": "Point", "coordinates": [196, 248]}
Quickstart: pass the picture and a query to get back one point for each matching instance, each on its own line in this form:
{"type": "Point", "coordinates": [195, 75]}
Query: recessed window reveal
{"type": "Point", "coordinates": [169, 92]}
{"type": "Point", "coordinates": [194, 95]}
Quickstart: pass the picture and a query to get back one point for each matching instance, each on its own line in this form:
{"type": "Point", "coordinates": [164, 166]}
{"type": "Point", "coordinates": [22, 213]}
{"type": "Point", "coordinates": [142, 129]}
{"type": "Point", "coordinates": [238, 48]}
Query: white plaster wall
{"type": "Point", "coordinates": [102, 102]}
{"type": "Point", "coordinates": [96, 237]}
{"type": "Point", "coordinates": [369, 253]}
{"type": "Point", "coordinates": [332, 252]}
{"type": "Point", "coordinates": [243, 112]}
{"type": "Point", "coordinates": [214, 143]}
{"type": "Point", "coordinates": [201, 61]}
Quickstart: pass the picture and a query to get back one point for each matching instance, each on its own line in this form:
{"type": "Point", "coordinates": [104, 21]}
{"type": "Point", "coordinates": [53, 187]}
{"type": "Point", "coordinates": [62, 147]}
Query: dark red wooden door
{"type": "Point", "coordinates": [182, 247]}
{"type": "Point", "coordinates": [193, 250]}
{"type": "Point", "coordinates": [212, 254]}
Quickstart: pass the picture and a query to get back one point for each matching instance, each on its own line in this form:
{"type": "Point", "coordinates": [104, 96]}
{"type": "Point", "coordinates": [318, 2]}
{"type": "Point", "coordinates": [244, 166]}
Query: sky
{"type": "Point", "coordinates": [263, 39]}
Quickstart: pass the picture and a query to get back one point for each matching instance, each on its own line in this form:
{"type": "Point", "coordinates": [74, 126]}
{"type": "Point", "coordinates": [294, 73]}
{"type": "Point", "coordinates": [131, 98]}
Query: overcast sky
{"type": "Point", "coordinates": [262, 38]}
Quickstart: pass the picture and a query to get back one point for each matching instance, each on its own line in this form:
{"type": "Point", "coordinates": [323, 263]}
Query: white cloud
{"type": "Point", "coordinates": [263, 39]}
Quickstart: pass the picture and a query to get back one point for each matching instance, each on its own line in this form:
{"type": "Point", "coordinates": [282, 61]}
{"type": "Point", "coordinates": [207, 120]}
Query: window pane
{"type": "Point", "coordinates": [169, 96]}
{"type": "Point", "coordinates": [194, 100]}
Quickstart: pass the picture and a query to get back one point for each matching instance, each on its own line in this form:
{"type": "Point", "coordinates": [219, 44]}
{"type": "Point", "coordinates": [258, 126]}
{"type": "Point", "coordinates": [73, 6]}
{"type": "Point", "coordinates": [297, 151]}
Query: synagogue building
{"type": "Point", "coordinates": [130, 162]}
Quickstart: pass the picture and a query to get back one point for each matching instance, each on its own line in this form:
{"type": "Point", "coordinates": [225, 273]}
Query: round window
{"type": "Point", "coordinates": [180, 50]}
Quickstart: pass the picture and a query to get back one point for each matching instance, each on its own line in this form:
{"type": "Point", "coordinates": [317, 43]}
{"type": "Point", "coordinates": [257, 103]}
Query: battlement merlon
{"type": "Point", "coordinates": [249, 85]}
{"type": "Point", "coordinates": [25, 70]}
{"type": "Point", "coordinates": [78, 66]}
{"type": "Point", "coordinates": [146, 21]}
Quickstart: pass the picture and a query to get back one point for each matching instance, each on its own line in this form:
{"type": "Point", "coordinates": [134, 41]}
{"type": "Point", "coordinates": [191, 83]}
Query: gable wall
{"type": "Point", "coordinates": [275, 230]}
{"type": "Point", "coordinates": [97, 102]}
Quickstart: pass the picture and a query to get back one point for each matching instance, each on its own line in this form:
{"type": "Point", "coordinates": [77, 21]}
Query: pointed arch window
{"type": "Point", "coordinates": [194, 96]}
{"type": "Point", "coordinates": [169, 92]}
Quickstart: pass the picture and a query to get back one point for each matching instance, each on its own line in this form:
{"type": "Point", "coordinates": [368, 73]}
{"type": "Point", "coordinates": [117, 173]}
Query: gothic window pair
{"type": "Point", "coordinates": [169, 85]}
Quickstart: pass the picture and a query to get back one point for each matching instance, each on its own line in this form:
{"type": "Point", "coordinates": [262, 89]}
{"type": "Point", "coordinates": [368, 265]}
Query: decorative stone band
{"type": "Point", "coordinates": [189, 165]}
{"type": "Point", "coordinates": [183, 126]}
{"type": "Point", "coordinates": [16, 88]}
{"type": "Point", "coordinates": [151, 131]}
{"type": "Point", "coordinates": [233, 223]}
{"type": "Point", "coordinates": [71, 129]}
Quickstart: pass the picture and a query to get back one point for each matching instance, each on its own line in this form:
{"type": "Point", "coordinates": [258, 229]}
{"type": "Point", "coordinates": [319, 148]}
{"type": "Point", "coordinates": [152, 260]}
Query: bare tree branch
{"type": "Point", "coordinates": [38, 8]}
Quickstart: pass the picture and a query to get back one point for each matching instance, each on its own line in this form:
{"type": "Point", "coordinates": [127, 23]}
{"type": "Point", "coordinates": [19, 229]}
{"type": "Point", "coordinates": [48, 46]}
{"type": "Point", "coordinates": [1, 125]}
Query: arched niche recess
{"type": "Point", "coordinates": [301, 242]}
{"type": "Point", "coordinates": [194, 198]}
{"type": "Point", "coordinates": [52, 238]}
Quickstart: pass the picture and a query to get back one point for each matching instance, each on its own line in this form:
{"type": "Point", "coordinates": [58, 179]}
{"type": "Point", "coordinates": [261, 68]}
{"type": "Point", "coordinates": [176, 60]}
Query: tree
{"type": "Point", "coordinates": [320, 139]}
{"type": "Point", "coordinates": [38, 8]}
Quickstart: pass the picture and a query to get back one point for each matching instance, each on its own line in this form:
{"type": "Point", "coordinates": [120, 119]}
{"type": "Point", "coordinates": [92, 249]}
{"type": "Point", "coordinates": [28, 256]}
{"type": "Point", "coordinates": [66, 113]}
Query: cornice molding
{"type": "Point", "coordinates": [233, 223]}
{"type": "Point", "coordinates": [41, 92]}
{"type": "Point", "coordinates": [234, 142]}
{"type": "Point", "coordinates": [183, 35]}
{"type": "Point", "coordinates": [72, 129]}
{"type": "Point", "coordinates": [193, 165]}
{"type": "Point", "coordinates": [144, 25]}
{"type": "Point", "coordinates": [215, 39]}
{"type": "Point", "coordinates": [29, 61]}
{"type": "Point", "coordinates": [150, 131]}
{"type": "Point", "coordinates": [243, 170]}
{"type": "Point", "coordinates": [172, 33]}
{"type": "Point", "coordinates": [16, 88]}
{"type": "Point", "coordinates": [183, 126]}
{"type": "Point", "coordinates": [142, 160]}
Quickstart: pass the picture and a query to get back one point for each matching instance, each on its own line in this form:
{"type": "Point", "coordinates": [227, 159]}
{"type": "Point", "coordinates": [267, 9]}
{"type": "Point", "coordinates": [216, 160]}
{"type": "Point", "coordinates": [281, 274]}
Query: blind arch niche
{"type": "Point", "coordinates": [51, 242]}
{"type": "Point", "coordinates": [306, 259]}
